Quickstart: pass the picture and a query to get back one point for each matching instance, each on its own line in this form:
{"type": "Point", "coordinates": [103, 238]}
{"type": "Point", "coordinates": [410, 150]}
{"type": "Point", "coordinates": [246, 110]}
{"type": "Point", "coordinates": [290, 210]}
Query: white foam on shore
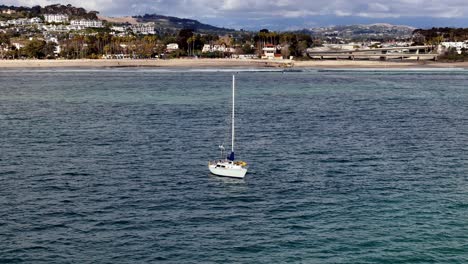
{"type": "Point", "coordinates": [394, 70]}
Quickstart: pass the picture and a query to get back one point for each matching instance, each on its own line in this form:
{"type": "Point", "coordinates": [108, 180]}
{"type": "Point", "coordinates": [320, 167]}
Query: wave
{"type": "Point", "coordinates": [418, 70]}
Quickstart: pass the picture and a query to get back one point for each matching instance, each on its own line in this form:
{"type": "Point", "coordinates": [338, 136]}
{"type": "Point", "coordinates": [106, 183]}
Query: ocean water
{"type": "Point", "coordinates": [346, 166]}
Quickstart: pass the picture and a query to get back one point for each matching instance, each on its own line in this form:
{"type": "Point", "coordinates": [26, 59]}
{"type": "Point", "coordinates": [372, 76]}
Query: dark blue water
{"type": "Point", "coordinates": [110, 166]}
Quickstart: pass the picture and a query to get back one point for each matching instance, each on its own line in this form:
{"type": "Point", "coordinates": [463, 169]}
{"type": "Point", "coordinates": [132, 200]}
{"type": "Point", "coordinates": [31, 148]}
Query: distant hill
{"type": "Point", "coordinates": [175, 23]}
{"type": "Point", "coordinates": [373, 31]}
{"type": "Point", "coordinates": [71, 11]}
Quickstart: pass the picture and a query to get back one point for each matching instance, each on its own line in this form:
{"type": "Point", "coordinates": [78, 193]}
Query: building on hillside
{"type": "Point", "coordinates": [24, 21]}
{"type": "Point", "coordinates": [56, 18]}
{"type": "Point", "coordinates": [87, 23]}
{"type": "Point", "coordinates": [13, 22]}
{"type": "Point", "coordinates": [54, 39]}
{"type": "Point", "coordinates": [172, 47]}
{"type": "Point", "coordinates": [55, 28]}
{"type": "Point", "coordinates": [35, 20]}
{"type": "Point", "coordinates": [74, 27]}
{"type": "Point", "coordinates": [144, 28]}
{"type": "Point", "coordinates": [118, 28]}
{"type": "Point", "coordinates": [8, 11]}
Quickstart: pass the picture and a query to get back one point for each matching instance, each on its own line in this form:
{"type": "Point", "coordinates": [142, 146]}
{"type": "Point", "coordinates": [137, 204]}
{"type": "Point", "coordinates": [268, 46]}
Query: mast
{"type": "Point", "coordinates": [233, 113]}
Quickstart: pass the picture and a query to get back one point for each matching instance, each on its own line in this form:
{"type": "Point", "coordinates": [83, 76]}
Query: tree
{"type": "Point", "coordinates": [35, 11]}
{"type": "Point", "coordinates": [435, 40]}
{"type": "Point", "coordinates": [285, 51]}
{"type": "Point", "coordinates": [49, 49]}
{"type": "Point", "coordinates": [4, 39]}
{"type": "Point", "coordinates": [35, 49]}
{"type": "Point", "coordinates": [183, 37]}
{"type": "Point", "coordinates": [145, 47]}
{"type": "Point", "coordinates": [302, 47]}
{"type": "Point", "coordinates": [160, 49]}
{"type": "Point", "coordinates": [247, 49]}
{"type": "Point", "coordinates": [4, 44]}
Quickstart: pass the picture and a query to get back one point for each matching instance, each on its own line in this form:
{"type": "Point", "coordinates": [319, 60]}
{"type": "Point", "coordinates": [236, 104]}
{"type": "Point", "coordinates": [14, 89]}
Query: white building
{"type": "Point", "coordinates": [74, 27]}
{"type": "Point", "coordinates": [144, 28]}
{"type": "Point", "coordinates": [56, 18]}
{"type": "Point", "coordinates": [217, 48]}
{"type": "Point", "coordinates": [457, 45]}
{"type": "Point", "coordinates": [206, 48]}
{"type": "Point", "coordinates": [172, 47]}
{"type": "Point", "coordinates": [52, 39]}
{"type": "Point", "coordinates": [87, 23]}
{"type": "Point", "coordinates": [35, 20]}
{"type": "Point", "coordinates": [269, 52]}
{"type": "Point", "coordinates": [118, 28]}
{"type": "Point", "coordinates": [8, 11]}
{"type": "Point", "coordinates": [55, 28]}
{"type": "Point", "coordinates": [23, 21]}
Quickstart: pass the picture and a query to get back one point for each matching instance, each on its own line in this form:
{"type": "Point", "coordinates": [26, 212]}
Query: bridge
{"type": "Point", "coordinates": [402, 53]}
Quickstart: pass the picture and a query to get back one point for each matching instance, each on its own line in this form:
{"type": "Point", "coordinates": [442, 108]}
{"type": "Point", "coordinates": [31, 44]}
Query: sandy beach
{"type": "Point", "coordinates": [226, 63]}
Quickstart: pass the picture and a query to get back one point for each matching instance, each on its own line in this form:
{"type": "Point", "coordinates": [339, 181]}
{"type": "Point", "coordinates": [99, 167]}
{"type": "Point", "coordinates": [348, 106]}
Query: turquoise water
{"type": "Point", "coordinates": [110, 166]}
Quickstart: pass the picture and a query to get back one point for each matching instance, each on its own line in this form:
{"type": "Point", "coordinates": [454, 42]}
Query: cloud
{"type": "Point", "coordinates": [236, 10]}
{"type": "Point", "coordinates": [286, 8]}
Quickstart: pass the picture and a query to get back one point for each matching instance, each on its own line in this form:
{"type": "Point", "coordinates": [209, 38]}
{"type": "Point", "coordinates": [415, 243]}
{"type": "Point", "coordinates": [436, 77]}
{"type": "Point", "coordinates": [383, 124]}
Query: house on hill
{"type": "Point", "coordinates": [87, 23]}
{"type": "Point", "coordinates": [8, 11]}
{"type": "Point", "coordinates": [56, 18]}
{"type": "Point", "coordinates": [144, 28]}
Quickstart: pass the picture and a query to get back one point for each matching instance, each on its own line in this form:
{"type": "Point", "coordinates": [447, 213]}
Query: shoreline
{"type": "Point", "coordinates": [228, 63]}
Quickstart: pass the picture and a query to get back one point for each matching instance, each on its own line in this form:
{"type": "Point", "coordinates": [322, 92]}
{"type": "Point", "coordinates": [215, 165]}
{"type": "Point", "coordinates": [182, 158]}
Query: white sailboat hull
{"type": "Point", "coordinates": [233, 172]}
{"type": "Point", "coordinates": [228, 167]}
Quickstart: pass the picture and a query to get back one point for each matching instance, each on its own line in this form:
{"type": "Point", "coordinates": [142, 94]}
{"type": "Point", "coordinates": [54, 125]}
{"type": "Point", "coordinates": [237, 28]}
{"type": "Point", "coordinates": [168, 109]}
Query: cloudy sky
{"type": "Point", "coordinates": [284, 14]}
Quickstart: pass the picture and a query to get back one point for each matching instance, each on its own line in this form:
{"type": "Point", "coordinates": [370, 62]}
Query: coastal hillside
{"type": "Point", "coordinates": [71, 11]}
{"type": "Point", "coordinates": [13, 12]}
{"type": "Point", "coordinates": [163, 24]}
{"type": "Point", "coordinates": [119, 20]}
{"type": "Point", "coordinates": [168, 23]}
{"type": "Point", "coordinates": [176, 23]}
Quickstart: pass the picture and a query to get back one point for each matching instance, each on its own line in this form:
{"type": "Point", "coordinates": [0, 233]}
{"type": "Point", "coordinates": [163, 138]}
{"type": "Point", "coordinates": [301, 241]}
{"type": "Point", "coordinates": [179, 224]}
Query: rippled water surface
{"type": "Point", "coordinates": [110, 166]}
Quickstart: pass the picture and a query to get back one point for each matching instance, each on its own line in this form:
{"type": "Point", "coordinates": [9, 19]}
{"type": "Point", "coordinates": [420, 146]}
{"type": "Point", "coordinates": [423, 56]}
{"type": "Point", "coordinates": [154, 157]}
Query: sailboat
{"type": "Point", "coordinates": [229, 167]}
